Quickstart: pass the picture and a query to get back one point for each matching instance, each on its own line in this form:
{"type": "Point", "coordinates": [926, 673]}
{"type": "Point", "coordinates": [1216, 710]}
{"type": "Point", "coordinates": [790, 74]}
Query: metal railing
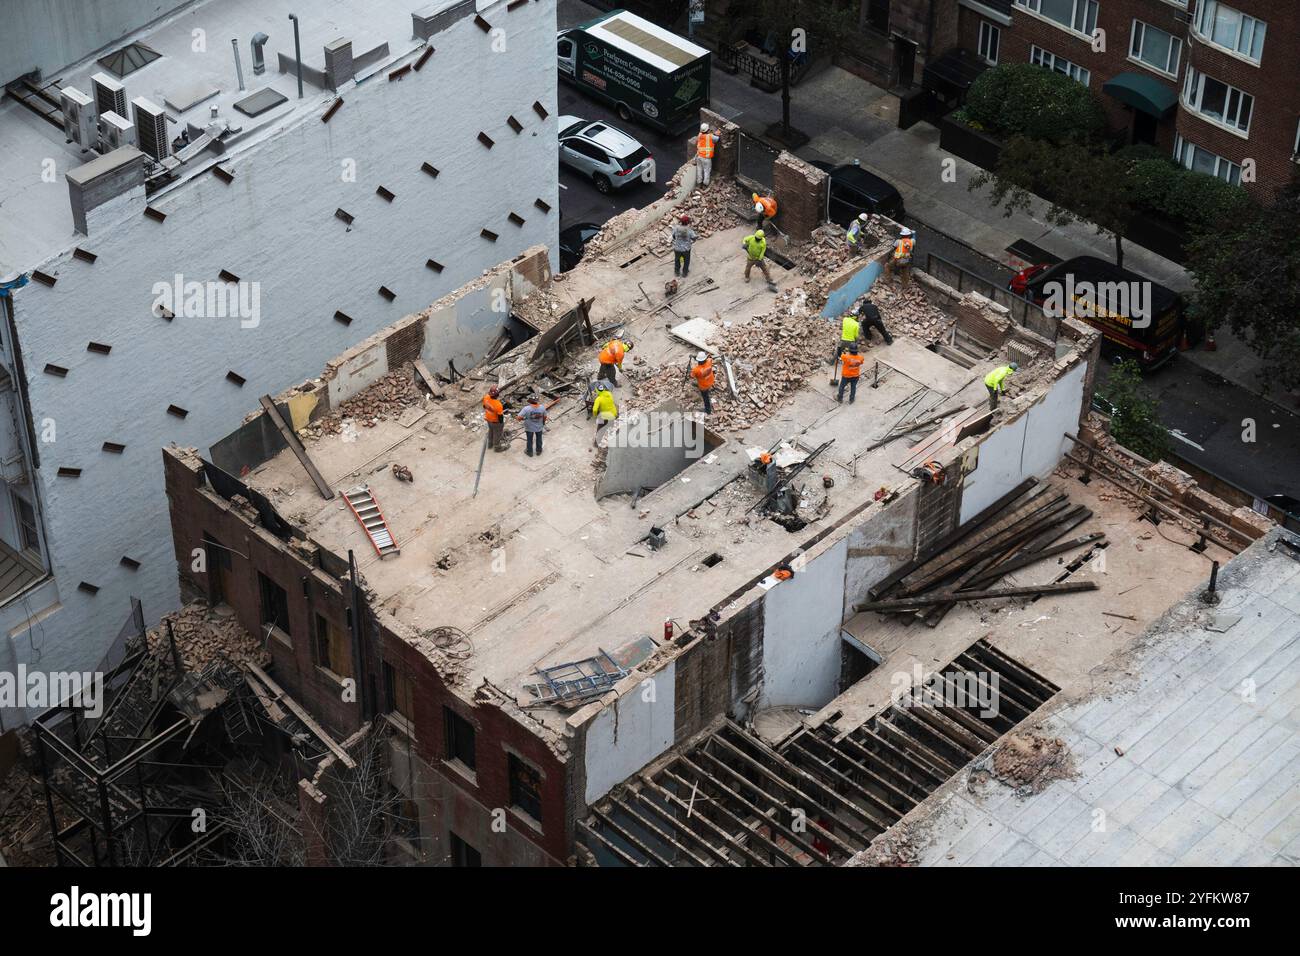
{"type": "Point", "coordinates": [1023, 312]}
{"type": "Point", "coordinates": [755, 159]}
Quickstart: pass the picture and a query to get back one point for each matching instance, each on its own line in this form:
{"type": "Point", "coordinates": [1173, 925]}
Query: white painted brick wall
{"type": "Point", "coordinates": [274, 225]}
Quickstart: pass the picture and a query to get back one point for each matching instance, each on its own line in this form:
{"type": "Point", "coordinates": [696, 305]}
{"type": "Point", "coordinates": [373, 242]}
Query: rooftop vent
{"type": "Point", "coordinates": [130, 58]}
{"type": "Point", "coordinates": [151, 128]}
{"type": "Point", "coordinates": [110, 95]}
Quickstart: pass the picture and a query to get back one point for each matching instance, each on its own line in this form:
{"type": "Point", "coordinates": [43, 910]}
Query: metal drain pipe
{"type": "Point", "coordinates": [297, 51]}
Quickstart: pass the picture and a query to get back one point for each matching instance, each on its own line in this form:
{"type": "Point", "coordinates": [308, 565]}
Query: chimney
{"type": "Point", "coordinates": [108, 188]}
{"type": "Point", "coordinates": [338, 63]}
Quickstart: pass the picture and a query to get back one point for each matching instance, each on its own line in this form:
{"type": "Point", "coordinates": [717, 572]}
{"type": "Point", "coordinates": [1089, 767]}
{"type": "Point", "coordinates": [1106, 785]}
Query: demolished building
{"type": "Point", "coordinates": [641, 650]}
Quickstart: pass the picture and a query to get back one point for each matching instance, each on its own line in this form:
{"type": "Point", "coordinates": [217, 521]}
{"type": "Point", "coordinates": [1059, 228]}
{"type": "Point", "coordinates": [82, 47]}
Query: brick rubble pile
{"type": "Point", "coordinates": [204, 634]}
{"type": "Point", "coordinates": [385, 399]}
{"type": "Point", "coordinates": [710, 211]}
{"type": "Point", "coordinates": [909, 311]}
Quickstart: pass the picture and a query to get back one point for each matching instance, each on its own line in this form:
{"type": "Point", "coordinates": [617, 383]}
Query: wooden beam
{"type": "Point", "coordinates": [427, 378]}
{"type": "Point", "coordinates": [872, 798]}
{"type": "Point", "coordinates": [629, 808]}
{"type": "Point", "coordinates": [898, 753]}
{"type": "Point", "coordinates": [681, 827]}
{"type": "Point", "coordinates": [728, 839]}
{"type": "Point", "coordinates": [302, 715]}
{"type": "Point", "coordinates": [747, 827]}
{"type": "Point", "coordinates": [869, 771]}
{"type": "Point", "coordinates": [628, 838]}
{"type": "Point", "coordinates": [925, 600]}
{"type": "Point", "coordinates": [600, 837]}
{"type": "Point", "coordinates": [295, 446]}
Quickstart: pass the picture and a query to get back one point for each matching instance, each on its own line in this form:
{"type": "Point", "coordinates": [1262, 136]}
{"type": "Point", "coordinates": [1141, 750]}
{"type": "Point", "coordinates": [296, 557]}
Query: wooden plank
{"type": "Point", "coordinates": [925, 600]}
{"type": "Point", "coordinates": [430, 382]}
{"type": "Point", "coordinates": [295, 446]}
{"type": "Point", "coordinates": [302, 715]}
{"type": "Point", "coordinates": [713, 802]}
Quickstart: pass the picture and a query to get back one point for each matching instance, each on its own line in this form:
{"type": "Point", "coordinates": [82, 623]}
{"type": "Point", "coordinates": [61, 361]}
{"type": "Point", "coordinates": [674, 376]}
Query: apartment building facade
{"type": "Point", "coordinates": [145, 300]}
{"type": "Point", "coordinates": [1212, 83]}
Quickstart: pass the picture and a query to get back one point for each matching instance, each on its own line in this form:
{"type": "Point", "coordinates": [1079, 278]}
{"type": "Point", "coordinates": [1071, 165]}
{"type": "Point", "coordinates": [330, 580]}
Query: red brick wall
{"type": "Point", "coordinates": [1273, 83]}
{"type": "Point", "coordinates": [196, 509]}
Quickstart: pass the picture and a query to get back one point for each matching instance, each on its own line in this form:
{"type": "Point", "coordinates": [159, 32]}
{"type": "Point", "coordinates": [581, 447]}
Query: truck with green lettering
{"type": "Point", "coordinates": [639, 68]}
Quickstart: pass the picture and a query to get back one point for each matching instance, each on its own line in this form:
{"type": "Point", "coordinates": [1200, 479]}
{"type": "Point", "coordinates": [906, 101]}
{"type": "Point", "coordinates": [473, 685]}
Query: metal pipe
{"type": "Point", "coordinates": [259, 59]}
{"type": "Point", "coordinates": [239, 69]}
{"type": "Point", "coordinates": [297, 51]}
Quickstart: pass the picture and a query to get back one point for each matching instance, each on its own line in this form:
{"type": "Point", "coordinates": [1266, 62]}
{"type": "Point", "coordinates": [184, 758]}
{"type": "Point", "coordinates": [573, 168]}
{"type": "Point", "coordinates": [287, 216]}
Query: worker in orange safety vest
{"type": "Point", "coordinates": [493, 409]}
{"type": "Point", "coordinates": [900, 262]}
{"type": "Point", "coordinates": [764, 207]}
{"type": "Point", "coordinates": [850, 370]}
{"type": "Point", "coordinates": [704, 378]}
{"type": "Point", "coordinates": [611, 360]}
{"type": "Point", "coordinates": [705, 144]}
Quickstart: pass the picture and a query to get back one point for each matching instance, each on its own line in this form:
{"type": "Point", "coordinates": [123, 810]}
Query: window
{"type": "Point", "coordinates": [29, 535]}
{"type": "Point", "coordinates": [1059, 63]}
{"type": "Point", "coordinates": [1217, 101]}
{"type": "Point", "coordinates": [1156, 48]}
{"type": "Point", "coordinates": [1230, 29]}
{"type": "Point", "coordinates": [460, 737]}
{"type": "Point", "coordinates": [1077, 15]}
{"type": "Point", "coordinates": [1203, 161]}
{"type": "Point", "coordinates": [219, 565]}
{"type": "Point", "coordinates": [397, 695]}
{"type": "Point", "coordinates": [275, 603]}
{"type": "Point", "coordinates": [989, 40]}
{"type": "Point", "coordinates": [525, 787]}
{"type": "Point", "coordinates": [333, 649]}
{"type": "Point", "coordinates": [462, 854]}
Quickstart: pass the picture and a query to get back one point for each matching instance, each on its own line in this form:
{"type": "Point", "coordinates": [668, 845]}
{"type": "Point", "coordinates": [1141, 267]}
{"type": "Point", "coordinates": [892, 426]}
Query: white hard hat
{"type": "Point", "coordinates": [905, 232]}
{"type": "Point", "coordinates": [704, 127]}
{"type": "Point", "coordinates": [700, 356]}
{"type": "Point", "coordinates": [602, 387]}
{"type": "Point", "coordinates": [863, 216]}
{"type": "Point", "coordinates": [758, 207]}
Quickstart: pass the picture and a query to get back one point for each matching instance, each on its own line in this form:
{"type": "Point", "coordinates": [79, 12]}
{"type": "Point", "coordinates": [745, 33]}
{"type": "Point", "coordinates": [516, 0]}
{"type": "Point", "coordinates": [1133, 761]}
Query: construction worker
{"type": "Point", "coordinates": [851, 369]}
{"type": "Point", "coordinates": [764, 207]}
{"type": "Point", "coordinates": [611, 360]}
{"type": "Point", "coordinates": [995, 382]}
{"type": "Point", "coordinates": [756, 255]}
{"type": "Point", "coordinates": [869, 315]}
{"type": "Point", "coordinates": [704, 378]}
{"type": "Point", "coordinates": [603, 409]}
{"type": "Point", "coordinates": [493, 409]}
{"type": "Point", "coordinates": [849, 331]}
{"type": "Point", "coordinates": [705, 144]}
{"type": "Point", "coordinates": [856, 237]}
{"type": "Point", "coordinates": [683, 238]}
{"type": "Point", "coordinates": [900, 263]}
{"type": "Point", "coordinates": [533, 415]}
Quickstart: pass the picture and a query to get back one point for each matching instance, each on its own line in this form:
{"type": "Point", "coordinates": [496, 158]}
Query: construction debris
{"type": "Point", "coordinates": [206, 634]}
{"type": "Point", "coordinates": [1029, 761]}
{"type": "Point", "coordinates": [385, 399]}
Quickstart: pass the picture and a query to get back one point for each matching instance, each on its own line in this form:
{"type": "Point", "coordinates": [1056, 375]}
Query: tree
{"type": "Point", "coordinates": [1081, 183]}
{"type": "Point", "coordinates": [798, 29]}
{"type": "Point", "coordinates": [1247, 277]}
{"type": "Point", "coordinates": [1023, 99]}
{"type": "Point", "coordinates": [1133, 420]}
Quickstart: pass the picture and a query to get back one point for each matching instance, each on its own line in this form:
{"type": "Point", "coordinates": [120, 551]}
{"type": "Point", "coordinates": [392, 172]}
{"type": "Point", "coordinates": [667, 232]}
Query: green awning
{"type": "Point", "coordinates": [1144, 93]}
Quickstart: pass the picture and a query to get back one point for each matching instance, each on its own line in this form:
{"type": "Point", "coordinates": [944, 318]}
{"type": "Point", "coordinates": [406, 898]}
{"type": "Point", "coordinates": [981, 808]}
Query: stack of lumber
{"type": "Point", "coordinates": [1020, 529]}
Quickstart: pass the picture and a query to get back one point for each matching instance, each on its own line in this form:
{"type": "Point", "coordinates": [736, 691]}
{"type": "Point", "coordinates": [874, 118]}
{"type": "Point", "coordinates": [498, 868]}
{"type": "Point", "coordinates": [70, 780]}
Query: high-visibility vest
{"type": "Point", "coordinates": [855, 228]}
{"type": "Point", "coordinates": [492, 409]}
{"type": "Point", "coordinates": [852, 365]}
{"type": "Point", "coordinates": [755, 247]}
{"type": "Point", "coordinates": [703, 374]}
{"type": "Point", "coordinates": [994, 378]}
{"type": "Point", "coordinates": [704, 145]}
{"type": "Point", "coordinates": [768, 204]}
{"type": "Point", "coordinates": [849, 329]}
{"type": "Point", "coordinates": [603, 406]}
{"type": "Point", "coordinates": [612, 354]}
{"type": "Point", "coordinates": [903, 250]}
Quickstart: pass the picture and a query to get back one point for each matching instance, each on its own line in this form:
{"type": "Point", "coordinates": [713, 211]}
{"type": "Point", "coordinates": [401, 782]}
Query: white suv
{"type": "Point", "coordinates": [610, 157]}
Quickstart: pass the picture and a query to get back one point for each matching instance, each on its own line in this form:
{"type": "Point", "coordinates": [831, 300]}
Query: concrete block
{"type": "Point", "coordinates": [1251, 522]}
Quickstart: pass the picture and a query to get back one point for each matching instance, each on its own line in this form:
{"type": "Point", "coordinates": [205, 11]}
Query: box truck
{"type": "Point", "coordinates": [641, 69]}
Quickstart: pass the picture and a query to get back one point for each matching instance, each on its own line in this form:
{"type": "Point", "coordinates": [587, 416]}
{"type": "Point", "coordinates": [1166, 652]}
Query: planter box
{"type": "Point", "coordinates": [970, 144]}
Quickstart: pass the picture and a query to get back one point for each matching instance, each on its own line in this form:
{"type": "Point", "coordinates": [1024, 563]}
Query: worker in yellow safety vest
{"type": "Point", "coordinates": [850, 329]}
{"type": "Point", "coordinates": [856, 236]}
{"type": "Point", "coordinates": [995, 382]}
{"type": "Point", "coordinates": [603, 409]}
{"type": "Point", "coordinates": [900, 262]}
{"type": "Point", "coordinates": [755, 247]}
{"type": "Point", "coordinates": [705, 144]}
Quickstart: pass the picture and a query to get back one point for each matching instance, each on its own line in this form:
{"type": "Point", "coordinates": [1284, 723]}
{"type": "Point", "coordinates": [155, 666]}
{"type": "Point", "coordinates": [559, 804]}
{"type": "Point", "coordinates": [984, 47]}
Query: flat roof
{"type": "Point", "coordinates": [37, 224]}
{"type": "Point", "coordinates": [536, 569]}
{"type": "Point", "coordinates": [645, 40]}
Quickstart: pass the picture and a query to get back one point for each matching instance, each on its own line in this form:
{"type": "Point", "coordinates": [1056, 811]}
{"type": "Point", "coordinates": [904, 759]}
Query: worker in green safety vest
{"type": "Point", "coordinates": [756, 255]}
{"type": "Point", "coordinates": [850, 328]}
{"type": "Point", "coordinates": [995, 382]}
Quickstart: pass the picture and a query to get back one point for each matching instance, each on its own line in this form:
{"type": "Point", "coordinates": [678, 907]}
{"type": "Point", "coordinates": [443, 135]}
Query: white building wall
{"type": "Point", "coordinates": [801, 633]}
{"type": "Point", "coordinates": [630, 732]}
{"type": "Point", "coordinates": [274, 225]}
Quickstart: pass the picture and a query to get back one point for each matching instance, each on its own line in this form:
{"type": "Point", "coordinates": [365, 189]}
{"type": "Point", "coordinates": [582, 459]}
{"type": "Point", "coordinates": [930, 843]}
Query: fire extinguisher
{"type": "Point", "coordinates": [668, 631]}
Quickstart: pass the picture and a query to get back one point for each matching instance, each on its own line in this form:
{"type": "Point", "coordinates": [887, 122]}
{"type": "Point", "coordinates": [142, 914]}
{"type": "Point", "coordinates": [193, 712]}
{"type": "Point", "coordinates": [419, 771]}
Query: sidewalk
{"type": "Point", "coordinates": [849, 118]}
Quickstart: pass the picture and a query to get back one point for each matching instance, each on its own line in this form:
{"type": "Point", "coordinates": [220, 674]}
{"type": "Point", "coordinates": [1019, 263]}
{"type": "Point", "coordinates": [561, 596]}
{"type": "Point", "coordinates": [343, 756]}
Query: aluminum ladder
{"type": "Point", "coordinates": [364, 506]}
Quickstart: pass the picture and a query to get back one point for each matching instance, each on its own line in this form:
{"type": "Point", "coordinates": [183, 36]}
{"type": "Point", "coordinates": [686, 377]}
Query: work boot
{"type": "Point", "coordinates": [528, 452]}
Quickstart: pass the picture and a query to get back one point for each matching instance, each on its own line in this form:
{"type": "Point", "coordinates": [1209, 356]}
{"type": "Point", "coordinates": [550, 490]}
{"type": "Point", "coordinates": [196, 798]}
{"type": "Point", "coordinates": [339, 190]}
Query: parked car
{"type": "Point", "coordinates": [1095, 285]}
{"type": "Point", "coordinates": [573, 242]}
{"type": "Point", "coordinates": [853, 190]}
{"type": "Point", "coordinates": [607, 156]}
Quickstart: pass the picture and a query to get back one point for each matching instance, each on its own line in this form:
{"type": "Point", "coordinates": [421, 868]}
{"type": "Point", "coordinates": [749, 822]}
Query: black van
{"type": "Point", "coordinates": [853, 190]}
{"type": "Point", "coordinates": [1094, 286]}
